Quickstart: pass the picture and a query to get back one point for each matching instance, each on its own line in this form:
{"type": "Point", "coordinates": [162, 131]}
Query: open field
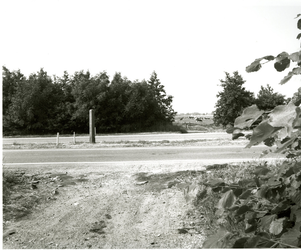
{"type": "Point", "coordinates": [202, 123]}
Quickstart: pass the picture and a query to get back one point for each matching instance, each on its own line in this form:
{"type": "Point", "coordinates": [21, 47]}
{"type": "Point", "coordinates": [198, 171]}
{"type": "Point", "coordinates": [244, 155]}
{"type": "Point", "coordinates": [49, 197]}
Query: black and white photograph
{"type": "Point", "coordinates": [147, 124]}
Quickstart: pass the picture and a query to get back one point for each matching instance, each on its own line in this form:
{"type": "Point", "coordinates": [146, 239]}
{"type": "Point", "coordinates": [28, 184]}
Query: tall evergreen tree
{"type": "Point", "coordinates": [162, 108]}
{"type": "Point", "coordinates": [231, 100]}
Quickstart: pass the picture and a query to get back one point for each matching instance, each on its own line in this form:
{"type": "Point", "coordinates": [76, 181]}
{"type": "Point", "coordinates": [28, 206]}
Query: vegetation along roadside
{"type": "Point", "coordinates": [248, 205]}
{"type": "Point", "coordinates": [263, 210]}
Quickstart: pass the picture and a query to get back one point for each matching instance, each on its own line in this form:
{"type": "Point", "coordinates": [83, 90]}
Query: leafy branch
{"type": "Point", "coordinates": [269, 205]}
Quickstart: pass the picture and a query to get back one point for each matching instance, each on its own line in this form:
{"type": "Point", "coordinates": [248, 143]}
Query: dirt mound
{"type": "Point", "coordinates": [99, 209]}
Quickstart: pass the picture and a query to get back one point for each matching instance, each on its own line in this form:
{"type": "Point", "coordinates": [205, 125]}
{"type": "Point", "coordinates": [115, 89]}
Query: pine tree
{"type": "Point", "coordinates": [232, 100]}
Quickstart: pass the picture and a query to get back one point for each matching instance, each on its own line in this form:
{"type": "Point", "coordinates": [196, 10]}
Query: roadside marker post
{"type": "Point", "coordinates": [74, 138]}
{"type": "Point", "coordinates": [92, 126]}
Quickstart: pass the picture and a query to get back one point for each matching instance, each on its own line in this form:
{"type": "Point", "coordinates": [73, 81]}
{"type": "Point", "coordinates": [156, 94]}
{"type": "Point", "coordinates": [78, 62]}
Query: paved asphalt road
{"type": "Point", "coordinates": [113, 155]}
{"type": "Point", "coordinates": [125, 137]}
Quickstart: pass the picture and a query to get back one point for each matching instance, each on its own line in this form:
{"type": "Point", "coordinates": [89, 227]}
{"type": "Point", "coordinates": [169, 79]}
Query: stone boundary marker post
{"type": "Point", "coordinates": [91, 126]}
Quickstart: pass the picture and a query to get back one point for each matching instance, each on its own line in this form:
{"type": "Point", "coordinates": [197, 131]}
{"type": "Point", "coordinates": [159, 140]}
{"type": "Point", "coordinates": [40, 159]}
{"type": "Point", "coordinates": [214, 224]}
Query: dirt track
{"type": "Point", "coordinates": [134, 206]}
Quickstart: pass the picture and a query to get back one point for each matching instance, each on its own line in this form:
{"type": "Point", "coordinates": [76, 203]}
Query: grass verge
{"type": "Point", "coordinates": [141, 143]}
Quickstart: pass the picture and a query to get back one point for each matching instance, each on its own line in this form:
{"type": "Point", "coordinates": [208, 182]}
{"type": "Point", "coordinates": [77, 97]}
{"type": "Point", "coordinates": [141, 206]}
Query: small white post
{"type": "Point", "coordinates": [74, 138]}
{"type": "Point", "coordinates": [95, 130]}
{"type": "Point", "coordinates": [57, 139]}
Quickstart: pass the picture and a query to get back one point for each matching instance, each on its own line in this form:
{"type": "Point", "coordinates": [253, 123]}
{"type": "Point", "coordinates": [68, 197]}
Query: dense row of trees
{"type": "Point", "coordinates": [42, 104]}
{"type": "Point", "coordinates": [234, 98]}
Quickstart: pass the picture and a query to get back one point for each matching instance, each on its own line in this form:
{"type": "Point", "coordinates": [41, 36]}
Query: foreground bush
{"type": "Point", "coordinates": [264, 211]}
{"type": "Point", "coordinates": [259, 212]}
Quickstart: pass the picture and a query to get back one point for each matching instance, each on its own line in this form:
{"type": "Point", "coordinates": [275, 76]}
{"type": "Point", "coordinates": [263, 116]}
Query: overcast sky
{"type": "Point", "coordinates": [190, 44]}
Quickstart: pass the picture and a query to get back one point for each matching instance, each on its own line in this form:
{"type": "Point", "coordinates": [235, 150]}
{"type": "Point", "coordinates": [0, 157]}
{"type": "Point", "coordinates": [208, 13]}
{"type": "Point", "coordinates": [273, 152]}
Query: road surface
{"type": "Point", "coordinates": [121, 155]}
{"type": "Point", "coordinates": [126, 137]}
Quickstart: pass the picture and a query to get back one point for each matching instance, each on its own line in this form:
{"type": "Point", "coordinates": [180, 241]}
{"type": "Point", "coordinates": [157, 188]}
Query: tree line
{"type": "Point", "coordinates": [41, 104]}
{"type": "Point", "coordinates": [234, 98]}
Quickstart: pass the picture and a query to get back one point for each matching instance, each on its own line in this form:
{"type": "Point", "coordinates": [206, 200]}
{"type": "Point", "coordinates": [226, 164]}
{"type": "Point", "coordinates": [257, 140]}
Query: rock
{"type": "Point", "coordinates": [28, 175]}
{"type": "Point", "coordinates": [108, 216]}
{"type": "Point", "coordinates": [182, 231]}
{"type": "Point", "coordinates": [9, 232]}
{"type": "Point", "coordinates": [51, 198]}
{"type": "Point", "coordinates": [172, 183]}
{"type": "Point", "coordinates": [141, 182]}
{"type": "Point", "coordinates": [19, 173]}
{"type": "Point", "coordinates": [98, 227]}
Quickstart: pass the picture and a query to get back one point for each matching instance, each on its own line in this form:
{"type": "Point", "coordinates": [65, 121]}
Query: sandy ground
{"type": "Point", "coordinates": [111, 206]}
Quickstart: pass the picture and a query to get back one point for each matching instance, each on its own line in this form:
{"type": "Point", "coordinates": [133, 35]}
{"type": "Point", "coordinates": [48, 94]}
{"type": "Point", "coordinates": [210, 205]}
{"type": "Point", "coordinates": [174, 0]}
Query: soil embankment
{"type": "Point", "coordinates": [125, 206]}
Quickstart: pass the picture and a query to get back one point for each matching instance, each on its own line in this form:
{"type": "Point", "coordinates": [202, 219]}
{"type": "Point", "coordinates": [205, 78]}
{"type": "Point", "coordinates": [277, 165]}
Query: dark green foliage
{"type": "Point", "coordinates": [10, 82]}
{"type": "Point", "coordinates": [297, 97]}
{"type": "Point", "coordinates": [232, 100]}
{"type": "Point", "coordinates": [41, 104]}
{"type": "Point", "coordinates": [267, 99]}
{"type": "Point", "coordinates": [269, 208]}
{"type": "Point", "coordinates": [161, 102]}
{"type": "Point", "coordinates": [33, 104]}
{"type": "Point", "coordinates": [89, 93]}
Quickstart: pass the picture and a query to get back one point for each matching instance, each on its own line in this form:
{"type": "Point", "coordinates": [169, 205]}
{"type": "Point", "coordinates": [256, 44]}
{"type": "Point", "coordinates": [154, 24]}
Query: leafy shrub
{"type": "Point", "coordinates": [269, 204]}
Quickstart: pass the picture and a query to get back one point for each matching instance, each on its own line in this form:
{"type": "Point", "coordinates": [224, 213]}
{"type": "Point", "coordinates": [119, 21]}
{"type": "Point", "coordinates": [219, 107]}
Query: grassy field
{"type": "Point", "coordinates": [202, 123]}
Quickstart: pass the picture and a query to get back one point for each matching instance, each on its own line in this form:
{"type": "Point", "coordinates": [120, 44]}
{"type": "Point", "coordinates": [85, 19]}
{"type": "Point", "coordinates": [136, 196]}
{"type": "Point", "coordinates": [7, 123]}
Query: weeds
{"type": "Point", "coordinates": [21, 194]}
{"type": "Point", "coordinates": [204, 194]}
{"type": "Point", "coordinates": [249, 205]}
